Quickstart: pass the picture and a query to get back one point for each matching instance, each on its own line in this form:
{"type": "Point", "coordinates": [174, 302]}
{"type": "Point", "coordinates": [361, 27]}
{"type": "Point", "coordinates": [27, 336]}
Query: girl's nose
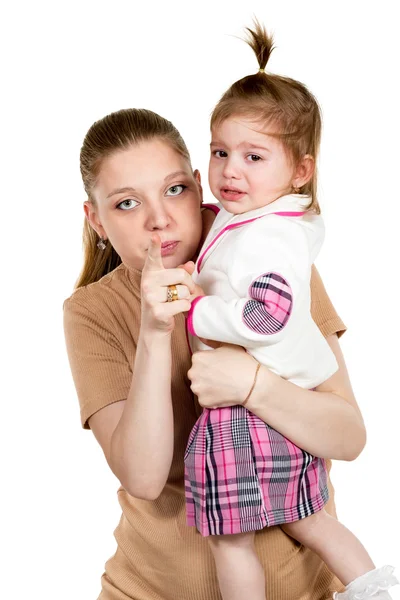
{"type": "Point", "coordinates": [231, 169]}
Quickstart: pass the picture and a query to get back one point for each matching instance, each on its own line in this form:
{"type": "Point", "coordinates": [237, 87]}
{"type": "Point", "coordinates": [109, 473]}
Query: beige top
{"type": "Point", "coordinates": [158, 556]}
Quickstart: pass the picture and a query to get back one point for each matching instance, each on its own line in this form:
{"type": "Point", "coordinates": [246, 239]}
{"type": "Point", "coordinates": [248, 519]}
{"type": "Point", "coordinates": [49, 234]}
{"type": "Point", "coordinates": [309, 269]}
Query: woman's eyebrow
{"type": "Point", "coordinates": [120, 191]}
{"type": "Point", "coordinates": [123, 190]}
{"type": "Point", "coordinates": [175, 174]}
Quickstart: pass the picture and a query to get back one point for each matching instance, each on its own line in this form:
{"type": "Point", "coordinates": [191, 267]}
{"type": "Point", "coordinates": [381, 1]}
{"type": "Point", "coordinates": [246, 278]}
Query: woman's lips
{"type": "Point", "coordinates": [168, 248]}
{"type": "Point", "coordinates": [232, 195]}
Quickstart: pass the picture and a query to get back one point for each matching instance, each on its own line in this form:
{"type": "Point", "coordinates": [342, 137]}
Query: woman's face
{"type": "Point", "coordinates": [146, 189]}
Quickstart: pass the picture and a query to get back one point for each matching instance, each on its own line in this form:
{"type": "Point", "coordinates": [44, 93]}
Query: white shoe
{"type": "Point", "coordinates": [370, 585]}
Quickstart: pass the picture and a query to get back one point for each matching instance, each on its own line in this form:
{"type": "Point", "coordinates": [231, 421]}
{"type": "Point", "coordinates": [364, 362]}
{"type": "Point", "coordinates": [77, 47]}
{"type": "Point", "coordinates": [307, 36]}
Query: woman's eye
{"type": "Point", "coordinates": [220, 154]}
{"type": "Point", "coordinates": [124, 205]}
{"type": "Point", "coordinates": [254, 157]}
{"type": "Point", "coordinates": [176, 190]}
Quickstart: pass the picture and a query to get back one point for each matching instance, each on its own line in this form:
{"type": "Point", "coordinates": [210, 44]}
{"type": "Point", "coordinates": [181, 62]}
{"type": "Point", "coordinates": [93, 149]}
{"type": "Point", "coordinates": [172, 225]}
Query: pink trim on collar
{"type": "Point", "coordinates": [235, 225]}
{"type": "Point", "coordinates": [289, 213]}
{"type": "Point", "coordinates": [212, 207]}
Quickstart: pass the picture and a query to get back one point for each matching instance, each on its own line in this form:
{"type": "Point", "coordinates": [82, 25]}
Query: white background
{"type": "Point", "coordinates": [65, 66]}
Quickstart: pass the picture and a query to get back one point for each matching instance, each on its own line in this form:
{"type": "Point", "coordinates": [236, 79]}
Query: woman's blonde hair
{"type": "Point", "coordinates": [117, 131]}
{"type": "Point", "coordinates": [282, 104]}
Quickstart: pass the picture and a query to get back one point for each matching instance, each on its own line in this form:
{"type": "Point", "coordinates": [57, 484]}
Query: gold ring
{"type": "Point", "coordinates": [172, 293]}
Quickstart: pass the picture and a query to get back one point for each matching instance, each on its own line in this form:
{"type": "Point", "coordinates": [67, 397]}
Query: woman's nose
{"type": "Point", "coordinates": [158, 217]}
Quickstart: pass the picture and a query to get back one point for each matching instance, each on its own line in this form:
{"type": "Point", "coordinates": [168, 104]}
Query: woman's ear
{"type": "Point", "coordinates": [197, 177]}
{"type": "Point", "coordinates": [91, 215]}
{"type": "Point", "coordinates": [304, 171]}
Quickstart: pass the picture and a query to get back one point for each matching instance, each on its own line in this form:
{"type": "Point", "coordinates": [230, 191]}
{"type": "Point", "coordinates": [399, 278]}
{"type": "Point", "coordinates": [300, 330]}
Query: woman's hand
{"type": "Point", "coordinates": [222, 377]}
{"type": "Point", "coordinates": [157, 313]}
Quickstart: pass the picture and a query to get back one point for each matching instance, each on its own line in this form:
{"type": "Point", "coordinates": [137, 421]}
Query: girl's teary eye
{"type": "Point", "coordinates": [123, 205]}
{"type": "Point", "coordinates": [176, 190]}
{"type": "Point", "coordinates": [220, 153]}
{"type": "Point", "coordinates": [254, 157]}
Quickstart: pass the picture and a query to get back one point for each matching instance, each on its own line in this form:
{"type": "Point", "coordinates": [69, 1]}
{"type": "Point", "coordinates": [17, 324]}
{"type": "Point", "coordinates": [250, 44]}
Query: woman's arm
{"type": "Point", "coordinates": [137, 434]}
{"type": "Point", "coordinates": [326, 422]}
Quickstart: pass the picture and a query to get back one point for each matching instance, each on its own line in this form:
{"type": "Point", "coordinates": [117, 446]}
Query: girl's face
{"type": "Point", "coordinates": [248, 168]}
{"type": "Point", "coordinates": [148, 188]}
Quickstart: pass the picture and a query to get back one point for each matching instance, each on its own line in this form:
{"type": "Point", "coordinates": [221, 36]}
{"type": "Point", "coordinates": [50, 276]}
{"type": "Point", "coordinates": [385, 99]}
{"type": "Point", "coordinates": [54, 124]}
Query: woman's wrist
{"type": "Point", "coordinates": [246, 400]}
{"type": "Point", "coordinates": [151, 338]}
{"type": "Point", "coordinates": [263, 381]}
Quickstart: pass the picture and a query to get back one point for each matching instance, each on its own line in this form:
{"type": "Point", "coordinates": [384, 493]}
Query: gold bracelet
{"type": "Point", "coordinates": [253, 386]}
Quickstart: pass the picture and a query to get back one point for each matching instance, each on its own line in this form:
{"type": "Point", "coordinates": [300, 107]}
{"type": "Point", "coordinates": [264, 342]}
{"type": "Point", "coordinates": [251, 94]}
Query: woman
{"type": "Point", "coordinates": [129, 359]}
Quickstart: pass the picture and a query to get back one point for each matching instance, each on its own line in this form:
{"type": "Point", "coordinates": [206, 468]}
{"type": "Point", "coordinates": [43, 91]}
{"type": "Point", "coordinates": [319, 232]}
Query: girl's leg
{"type": "Point", "coordinates": [334, 543]}
{"type": "Point", "coordinates": [345, 556]}
{"type": "Point", "coordinates": [240, 574]}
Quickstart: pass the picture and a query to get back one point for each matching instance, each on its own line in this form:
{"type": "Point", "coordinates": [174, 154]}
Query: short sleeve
{"type": "Point", "coordinates": [322, 309]}
{"type": "Point", "coordinates": [99, 366]}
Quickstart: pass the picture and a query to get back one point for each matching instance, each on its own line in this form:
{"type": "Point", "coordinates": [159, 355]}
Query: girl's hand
{"type": "Point", "coordinates": [157, 313]}
{"type": "Point", "coordinates": [222, 377]}
{"type": "Point", "coordinates": [198, 291]}
{"type": "Point", "coordinates": [189, 267]}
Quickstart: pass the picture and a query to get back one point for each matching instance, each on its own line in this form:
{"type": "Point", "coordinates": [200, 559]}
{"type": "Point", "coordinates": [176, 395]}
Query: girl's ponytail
{"type": "Point", "coordinates": [261, 43]}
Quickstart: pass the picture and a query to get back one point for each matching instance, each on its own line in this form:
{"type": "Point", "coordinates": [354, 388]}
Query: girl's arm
{"type": "Point", "coordinates": [265, 250]}
{"type": "Point", "coordinates": [137, 434]}
{"type": "Point", "coordinates": [325, 423]}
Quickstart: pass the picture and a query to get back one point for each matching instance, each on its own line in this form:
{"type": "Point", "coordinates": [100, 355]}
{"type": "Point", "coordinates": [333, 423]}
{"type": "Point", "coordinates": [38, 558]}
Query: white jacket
{"type": "Point", "coordinates": [255, 269]}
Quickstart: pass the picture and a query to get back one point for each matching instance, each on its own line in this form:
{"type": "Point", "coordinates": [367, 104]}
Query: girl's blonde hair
{"type": "Point", "coordinates": [284, 105]}
{"type": "Point", "coordinates": [117, 131]}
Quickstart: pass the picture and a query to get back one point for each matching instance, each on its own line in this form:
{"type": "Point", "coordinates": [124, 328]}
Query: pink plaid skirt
{"type": "Point", "coordinates": [242, 475]}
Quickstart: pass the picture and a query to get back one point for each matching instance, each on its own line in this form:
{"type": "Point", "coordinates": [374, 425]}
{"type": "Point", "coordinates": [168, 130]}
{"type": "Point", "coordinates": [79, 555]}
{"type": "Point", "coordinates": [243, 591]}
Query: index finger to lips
{"type": "Point", "coordinates": [154, 260]}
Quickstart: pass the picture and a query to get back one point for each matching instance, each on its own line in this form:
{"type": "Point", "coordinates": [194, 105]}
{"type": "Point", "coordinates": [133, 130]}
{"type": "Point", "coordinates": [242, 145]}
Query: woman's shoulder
{"type": "Point", "coordinates": [109, 294]}
{"type": "Point", "coordinates": [92, 292]}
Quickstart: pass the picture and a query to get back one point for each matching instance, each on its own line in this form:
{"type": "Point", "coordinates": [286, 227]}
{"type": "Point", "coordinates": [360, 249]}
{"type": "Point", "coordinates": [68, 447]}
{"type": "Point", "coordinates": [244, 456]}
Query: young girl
{"type": "Point", "coordinates": [254, 268]}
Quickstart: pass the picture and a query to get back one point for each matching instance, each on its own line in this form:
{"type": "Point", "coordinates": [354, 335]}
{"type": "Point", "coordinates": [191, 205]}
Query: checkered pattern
{"type": "Point", "coordinates": [242, 475]}
{"type": "Point", "coordinates": [271, 304]}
